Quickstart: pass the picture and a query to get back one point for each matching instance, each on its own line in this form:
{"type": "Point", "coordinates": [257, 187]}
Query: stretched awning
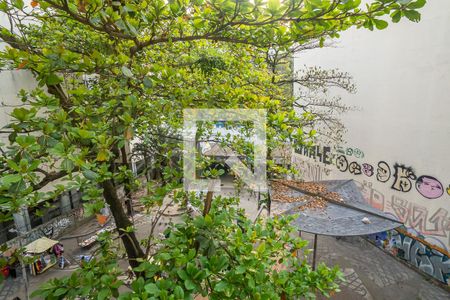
{"type": "Point", "coordinates": [40, 245]}
{"type": "Point", "coordinates": [345, 215]}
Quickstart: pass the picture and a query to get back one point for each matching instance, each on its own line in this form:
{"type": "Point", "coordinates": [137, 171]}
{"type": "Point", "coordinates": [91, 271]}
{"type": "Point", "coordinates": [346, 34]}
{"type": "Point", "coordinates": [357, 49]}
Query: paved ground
{"type": "Point", "coordinates": [370, 273]}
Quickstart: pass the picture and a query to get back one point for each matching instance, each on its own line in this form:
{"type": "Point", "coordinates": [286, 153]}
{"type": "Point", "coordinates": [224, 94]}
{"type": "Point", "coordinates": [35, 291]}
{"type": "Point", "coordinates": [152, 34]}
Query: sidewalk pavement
{"type": "Point", "coordinates": [371, 273]}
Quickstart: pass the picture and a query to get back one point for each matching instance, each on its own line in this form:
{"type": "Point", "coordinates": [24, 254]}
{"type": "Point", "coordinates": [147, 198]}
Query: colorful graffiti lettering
{"type": "Point", "coordinates": [429, 187]}
{"type": "Point", "coordinates": [416, 253]}
{"type": "Point", "coordinates": [383, 171]}
{"type": "Point", "coordinates": [402, 178]}
{"type": "Point", "coordinates": [420, 218]}
{"type": "Point", "coordinates": [367, 169]}
{"type": "Point", "coordinates": [416, 216]}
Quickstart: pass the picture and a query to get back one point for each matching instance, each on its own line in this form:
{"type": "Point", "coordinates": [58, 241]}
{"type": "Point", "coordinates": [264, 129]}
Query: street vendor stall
{"type": "Point", "coordinates": [42, 249]}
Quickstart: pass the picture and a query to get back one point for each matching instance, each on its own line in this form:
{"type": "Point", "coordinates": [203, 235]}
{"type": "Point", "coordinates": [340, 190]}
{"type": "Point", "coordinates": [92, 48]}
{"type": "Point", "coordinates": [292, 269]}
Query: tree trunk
{"type": "Point", "coordinates": [208, 202]}
{"type": "Point", "coordinates": [131, 243]}
{"type": "Point", "coordinates": [146, 168]}
{"type": "Point", "coordinates": [126, 187]}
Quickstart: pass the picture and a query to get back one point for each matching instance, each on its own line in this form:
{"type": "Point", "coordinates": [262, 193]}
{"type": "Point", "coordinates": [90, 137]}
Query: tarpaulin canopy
{"type": "Point", "coordinates": [40, 245]}
{"type": "Point", "coordinates": [350, 216]}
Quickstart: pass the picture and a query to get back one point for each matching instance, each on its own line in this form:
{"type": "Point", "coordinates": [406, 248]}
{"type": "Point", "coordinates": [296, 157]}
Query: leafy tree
{"type": "Point", "coordinates": [149, 60]}
{"type": "Point", "coordinates": [212, 255]}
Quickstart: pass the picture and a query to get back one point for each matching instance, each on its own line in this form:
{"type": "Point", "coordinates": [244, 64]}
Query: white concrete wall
{"type": "Point", "coordinates": [403, 78]}
{"type": "Point", "coordinates": [4, 23]}
{"type": "Point", "coordinates": [11, 82]}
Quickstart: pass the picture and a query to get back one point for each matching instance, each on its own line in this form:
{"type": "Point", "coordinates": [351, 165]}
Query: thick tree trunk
{"type": "Point", "coordinates": [126, 187]}
{"type": "Point", "coordinates": [131, 243]}
{"type": "Point", "coordinates": [208, 203]}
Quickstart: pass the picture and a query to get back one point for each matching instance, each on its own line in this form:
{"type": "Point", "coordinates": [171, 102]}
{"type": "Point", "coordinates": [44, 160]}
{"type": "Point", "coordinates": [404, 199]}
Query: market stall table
{"type": "Point", "coordinates": [42, 248]}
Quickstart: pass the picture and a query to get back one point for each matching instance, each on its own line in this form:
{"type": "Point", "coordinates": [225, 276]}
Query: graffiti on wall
{"type": "Point", "coordinates": [383, 171]}
{"type": "Point", "coordinates": [430, 225]}
{"type": "Point", "coordinates": [349, 151]}
{"type": "Point", "coordinates": [52, 229]}
{"type": "Point", "coordinates": [403, 177]}
{"type": "Point", "coordinates": [56, 227]}
{"type": "Point", "coordinates": [416, 253]}
{"type": "Point", "coordinates": [310, 170]}
{"type": "Point", "coordinates": [368, 169]}
{"type": "Point", "coordinates": [318, 153]}
{"type": "Point", "coordinates": [429, 187]}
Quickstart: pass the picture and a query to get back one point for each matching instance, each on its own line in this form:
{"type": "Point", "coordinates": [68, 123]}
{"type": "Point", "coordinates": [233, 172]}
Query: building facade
{"type": "Point", "coordinates": [398, 136]}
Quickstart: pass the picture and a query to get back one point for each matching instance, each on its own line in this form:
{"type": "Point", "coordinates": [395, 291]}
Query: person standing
{"type": "Point", "coordinates": [58, 249]}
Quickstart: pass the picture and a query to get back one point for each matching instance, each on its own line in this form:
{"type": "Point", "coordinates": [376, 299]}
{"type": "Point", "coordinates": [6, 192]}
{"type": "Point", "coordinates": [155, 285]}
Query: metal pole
{"type": "Point", "coordinates": [71, 200]}
{"type": "Point", "coordinates": [314, 253]}
{"type": "Point", "coordinates": [24, 271]}
{"type": "Point", "coordinates": [298, 251]}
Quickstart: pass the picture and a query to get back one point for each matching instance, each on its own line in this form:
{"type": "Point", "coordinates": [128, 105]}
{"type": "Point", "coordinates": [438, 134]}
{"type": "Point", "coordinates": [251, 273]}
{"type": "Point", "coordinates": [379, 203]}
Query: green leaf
{"type": "Point", "coordinates": [189, 284]}
{"type": "Point", "coordinates": [22, 114]}
{"type": "Point", "coordinates": [182, 273]}
{"type": "Point", "coordinates": [127, 72]}
{"type": "Point", "coordinates": [103, 294]}
{"type": "Point", "coordinates": [102, 155]}
{"type": "Point", "coordinates": [178, 292]}
{"type": "Point", "coordinates": [240, 270]}
{"type": "Point", "coordinates": [53, 79]}
{"type": "Point", "coordinates": [208, 220]}
{"type": "Point", "coordinates": [417, 4]}
{"type": "Point", "coordinates": [67, 165]}
{"type": "Point", "coordinates": [396, 16]}
{"type": "Point", "coordinates": [152, 289]}
{"type": "Point", "coordinates": [4, 7]}
{"type": "Point", "coordinates": [18, 4]}
{"type": "Point", "coordinates": [380, 24]}
{"type": "Point", "coordinates": [221, 286]}
{"type": "Point", "coordinates": [412, 15]}
{"type": "Point", "coordinates": [148, 82]}
{"type": "Point", "coordinates": [17, 187]}
{"type": "Point", "coordinates": [10, 179]}
{"type": "Point", "coordinates": [25, 140]}
{"type": "Point", "coordinates": [261, 248]}
{"type": "Point", "coordinates": [321, 42]}
{"type": "Point", "coordinates": [165, 256]}
{"type": "Point", "coordinates": [12, 164]}
{"type": "Point", "coordinates": [60, 292]}
{"type": "Point", "coordinates": [273, 6]}
{"type": "Point", "coordinates": [91, 175]}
